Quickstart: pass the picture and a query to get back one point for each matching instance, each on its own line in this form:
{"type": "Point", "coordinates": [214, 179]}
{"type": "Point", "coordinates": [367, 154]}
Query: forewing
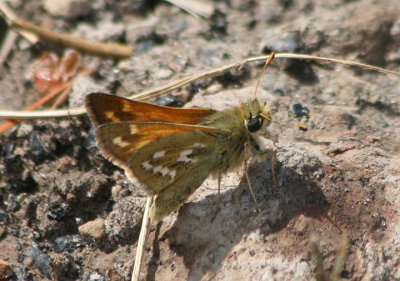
{"type": "Point", "coordinates": [119, 141]}
{"type": "Point", "coordinates": [104, 108]}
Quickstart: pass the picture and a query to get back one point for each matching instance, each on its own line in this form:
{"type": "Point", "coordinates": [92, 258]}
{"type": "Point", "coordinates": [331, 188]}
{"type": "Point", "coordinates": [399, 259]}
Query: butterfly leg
{"type": "Point", "coordinates": [248, 179]}
{"type": "Point", "coordinates": [263, 154]}
{"type": "Point", "coordinates": [218, 197]}
{"type": "Point", "coordinates": [273, 161]}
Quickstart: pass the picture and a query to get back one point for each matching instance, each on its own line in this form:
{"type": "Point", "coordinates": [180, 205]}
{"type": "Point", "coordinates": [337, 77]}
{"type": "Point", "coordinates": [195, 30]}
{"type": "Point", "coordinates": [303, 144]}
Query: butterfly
{"type": "Point", "coordinates": [169, 151]}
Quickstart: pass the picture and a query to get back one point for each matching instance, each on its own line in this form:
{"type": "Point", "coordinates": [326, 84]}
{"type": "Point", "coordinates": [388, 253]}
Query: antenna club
{"type": "Point", "coordinates": [270, 58]}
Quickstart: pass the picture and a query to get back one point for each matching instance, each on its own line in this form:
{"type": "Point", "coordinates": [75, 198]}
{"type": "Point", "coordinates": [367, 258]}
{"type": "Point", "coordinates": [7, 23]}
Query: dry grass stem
{"type": "Point", "coordinates": [7, 114]}
{"type": "Point", "coordinates": [117, 51]}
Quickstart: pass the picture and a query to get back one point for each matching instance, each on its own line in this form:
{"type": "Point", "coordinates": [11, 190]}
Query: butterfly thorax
{"type": "Point", "coordinates": [240, 127]}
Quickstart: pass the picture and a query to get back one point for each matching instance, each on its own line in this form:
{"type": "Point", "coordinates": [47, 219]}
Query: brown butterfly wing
{"type": "Point", "coordinates": [104, 108]}
{"type": "Point", "coordinates": [118, 141]}
{"type": "Point", "coordinates": [173, 167]}
{"type": "Point", "coordinates": [130, 144]}
{"type": "Point", "coordinates": [188, 177]}
{"type": "Point", "coordinates": [168, 159]}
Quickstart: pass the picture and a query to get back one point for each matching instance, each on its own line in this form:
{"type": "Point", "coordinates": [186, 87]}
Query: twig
{"type": "Point", "coordinates": [118, 51]}
{"type": "Point", "coordinates": [221, 70]}
{"type": "Point", "coordinates": [41, 114]}
{"type": "Point", "coordinates": [180, 83]}
{"type": "Point", "coordinates": [195, 8]}
{"type": "Point", "coordinates": [61, 98]}
{"type": "Point", "coordinates": [7, 45]}
{"type": "Point", "coordinates": [11, 16]}
{"type": "Point", "coordinates": [8, 124]}
{"type": "Point", "coordinates": [142, 240]}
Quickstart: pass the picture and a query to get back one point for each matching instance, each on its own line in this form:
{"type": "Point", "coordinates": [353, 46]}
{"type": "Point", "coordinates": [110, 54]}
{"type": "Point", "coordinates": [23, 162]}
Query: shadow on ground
{"type": "Point", "coordinates": [204, 244]}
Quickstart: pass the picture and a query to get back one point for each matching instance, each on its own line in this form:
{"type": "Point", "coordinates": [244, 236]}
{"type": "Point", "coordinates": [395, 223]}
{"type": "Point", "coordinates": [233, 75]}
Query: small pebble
{"type": "Point", "coordinates": [94, 229]}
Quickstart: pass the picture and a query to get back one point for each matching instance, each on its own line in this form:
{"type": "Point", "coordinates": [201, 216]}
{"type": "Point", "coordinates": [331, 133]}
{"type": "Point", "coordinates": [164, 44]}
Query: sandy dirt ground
{"type": "Point", "coordinates": [66, 213]}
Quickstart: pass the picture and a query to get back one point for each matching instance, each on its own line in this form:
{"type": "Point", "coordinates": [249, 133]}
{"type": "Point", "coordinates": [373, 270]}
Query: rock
{"type": "Point", "coordinates": [286, 43]}
{"type": "Point", "coordinates": [395, 31]}
{"type": "Point", "coordinates": [300, 110]}
{"type": "Point", "coordinates": [94, 229]}
{"type": "Point", "coordinates": [82, 86]}
{"type": "Point", "coordinates": [125, 217]}
{"type": "Point", "coordinates": [69, 8]}
{"type": "Point", "coordinates": [64, 267]}
{"type": "Point", "coordinates": [67, 243]}
{"type": "Point", "coordinates": [5, 270]}
{"type": "Point", "coordinates": [40, 259]}
{"type": "Point", "coordinates": [56, 210]}
{"type": "Point", "coordinates": [164, 74]}
{"type": "Point", "coordinates": [3, 217]}
{"type": "Point", "coordinates": [95, 276]}
{"type": "Point", "coordinates": [38, 150]}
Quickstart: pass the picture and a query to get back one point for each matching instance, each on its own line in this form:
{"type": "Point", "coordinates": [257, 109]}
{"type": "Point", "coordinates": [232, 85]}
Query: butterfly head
{"type": "Point", "coordinates": [259, 116]}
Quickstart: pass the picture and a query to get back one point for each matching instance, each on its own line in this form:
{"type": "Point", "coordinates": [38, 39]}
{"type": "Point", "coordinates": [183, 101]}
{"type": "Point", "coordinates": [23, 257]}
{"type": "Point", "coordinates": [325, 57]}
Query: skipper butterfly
{"type": "Point", "coordinates": [169, 151]}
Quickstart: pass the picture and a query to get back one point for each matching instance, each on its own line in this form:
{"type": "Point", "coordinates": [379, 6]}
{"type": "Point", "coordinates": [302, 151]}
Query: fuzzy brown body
{"type": "Point", "coordinates": [169, 152]}
{"type": "Point", "coordinates": [231, 146]}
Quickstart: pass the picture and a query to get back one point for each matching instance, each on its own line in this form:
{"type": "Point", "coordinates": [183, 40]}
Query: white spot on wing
{"type": "Point", "coordinates": [164, 171]}
{"type": "Point", "coordinates": [133, 129]}
{"type": "Point", "coordinates": [197, 144]}
{"type": "Point", "coordinates": [146, 165]}
{"type": "Point", "coordinates": [118, 141]}
{"type": "Point", "coordinates": [172, 174]}
{"type": "Point", "coordinates": [159, 154]}
{"type": "Point", "coordinates": [126, 107]}
{"type": "Point", "coordinates": [111, 115]}
{"type": "Point", "coordinates": [157, 169]}
{"type": "Point", "coordinates": [183, 157]}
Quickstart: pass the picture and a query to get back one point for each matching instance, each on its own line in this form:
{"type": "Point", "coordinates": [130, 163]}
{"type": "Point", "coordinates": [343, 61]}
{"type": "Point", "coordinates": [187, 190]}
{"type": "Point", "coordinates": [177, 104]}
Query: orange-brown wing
{"type": "Point", "coordinates": [118, 141]}
{"type": "Point", "coordinates": [104, 108]}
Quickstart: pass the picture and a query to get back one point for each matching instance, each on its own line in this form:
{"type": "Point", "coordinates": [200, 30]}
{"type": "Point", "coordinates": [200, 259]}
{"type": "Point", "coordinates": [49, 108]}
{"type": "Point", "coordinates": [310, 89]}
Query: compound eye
{"type": "Point", "coordinates": [254, 124]}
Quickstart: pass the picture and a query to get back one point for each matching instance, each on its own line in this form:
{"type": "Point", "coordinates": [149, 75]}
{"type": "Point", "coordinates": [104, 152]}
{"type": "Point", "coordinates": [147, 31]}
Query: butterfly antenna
{"type": "Point", "coordinates": [300, 127]}
{"type": "Point", "coordinates": [270, 58]}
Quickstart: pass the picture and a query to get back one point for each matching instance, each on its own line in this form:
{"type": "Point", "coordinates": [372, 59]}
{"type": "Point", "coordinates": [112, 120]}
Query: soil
{"type": "Point", "coordinates": [66, 213]}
